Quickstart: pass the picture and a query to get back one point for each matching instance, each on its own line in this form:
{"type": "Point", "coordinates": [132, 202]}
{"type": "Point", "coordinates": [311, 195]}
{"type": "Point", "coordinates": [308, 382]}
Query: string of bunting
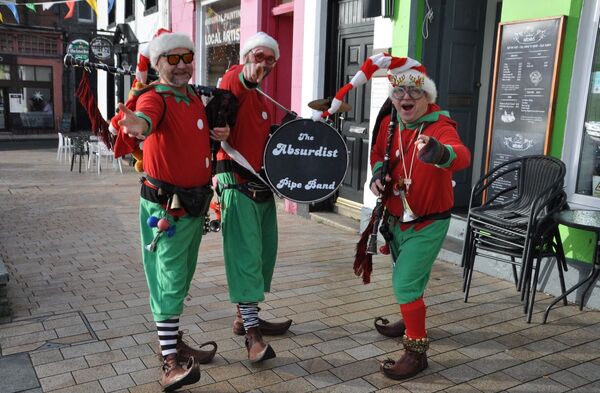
{"type": "Point", "coordinates": [12, 6]}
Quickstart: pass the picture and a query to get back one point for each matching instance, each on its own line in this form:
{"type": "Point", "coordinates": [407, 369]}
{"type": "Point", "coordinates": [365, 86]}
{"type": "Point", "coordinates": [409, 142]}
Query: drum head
{"type": "Point", "coordinates": [305, 161]}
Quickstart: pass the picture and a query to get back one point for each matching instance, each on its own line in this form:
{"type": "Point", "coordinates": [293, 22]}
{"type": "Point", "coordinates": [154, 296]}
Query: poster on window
{"type": "Point", "coordinates": [16, 103]}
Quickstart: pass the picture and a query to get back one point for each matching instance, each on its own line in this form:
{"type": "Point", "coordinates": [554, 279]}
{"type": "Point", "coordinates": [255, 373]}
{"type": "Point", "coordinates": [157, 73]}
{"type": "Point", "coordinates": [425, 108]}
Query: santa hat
{"type": "Point", "coordinates": [165, 41]}
{"type": "Point", "coordinates": [402, 71]}
{"type": "Point", "coordinates": [259, 39]}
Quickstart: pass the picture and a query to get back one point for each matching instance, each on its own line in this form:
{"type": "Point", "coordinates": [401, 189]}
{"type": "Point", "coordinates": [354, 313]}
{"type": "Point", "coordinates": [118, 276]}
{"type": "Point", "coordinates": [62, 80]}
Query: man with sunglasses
{"type": "Point", "coordinates": [249, 221]}
{"type": "Point", "coordinates": [171, 120]}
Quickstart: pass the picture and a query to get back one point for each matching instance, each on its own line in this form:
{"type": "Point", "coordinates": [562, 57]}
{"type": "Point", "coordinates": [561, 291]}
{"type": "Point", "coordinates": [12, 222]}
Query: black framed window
{"type": "Point", "coordinates": [112, 15]}
{"type": "Point", "coordinates": [129, 9]}
{"type": "Point", "coordinates": [85, 12]}
{"type": "Point", "coordinates": [150, 6]}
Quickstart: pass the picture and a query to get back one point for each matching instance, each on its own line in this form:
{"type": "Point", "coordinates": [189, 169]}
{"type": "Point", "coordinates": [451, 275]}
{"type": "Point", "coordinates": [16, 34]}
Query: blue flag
{"type": "Point", "coordinates": [111, 3]}
{"type": "Point", "coordinates": [13, 8]}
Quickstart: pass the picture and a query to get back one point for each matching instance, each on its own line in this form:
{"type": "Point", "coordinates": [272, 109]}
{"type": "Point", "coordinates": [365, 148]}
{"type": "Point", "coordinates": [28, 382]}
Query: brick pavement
{"type": "Point", "coordinates": [81, 322]}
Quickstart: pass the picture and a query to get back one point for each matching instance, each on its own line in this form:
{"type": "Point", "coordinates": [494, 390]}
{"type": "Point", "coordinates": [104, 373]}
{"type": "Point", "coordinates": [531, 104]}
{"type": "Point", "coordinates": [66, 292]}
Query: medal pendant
{"type": "Point", "coordinates": [407, 183]}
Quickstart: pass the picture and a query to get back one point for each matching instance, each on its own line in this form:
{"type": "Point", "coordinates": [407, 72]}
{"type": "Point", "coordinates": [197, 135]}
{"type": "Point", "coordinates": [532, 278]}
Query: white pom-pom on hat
{"type": "Point", "coordinates": [402, 71]}
{"type": "Point", "coordinates": [259, 39]}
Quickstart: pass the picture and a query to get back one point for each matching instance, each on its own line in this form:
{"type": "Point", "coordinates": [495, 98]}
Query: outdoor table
{"type": "Point", "coordinates": [588, 220]}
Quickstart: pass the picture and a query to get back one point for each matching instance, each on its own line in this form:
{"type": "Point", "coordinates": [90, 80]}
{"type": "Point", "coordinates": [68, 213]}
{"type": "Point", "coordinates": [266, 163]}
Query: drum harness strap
{"type": "Point", "coordinates": [256, 188]}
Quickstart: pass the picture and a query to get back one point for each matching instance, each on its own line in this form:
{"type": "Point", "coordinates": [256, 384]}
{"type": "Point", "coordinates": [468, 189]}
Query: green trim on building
{"type": "Point", "coordinates": [401, 28]}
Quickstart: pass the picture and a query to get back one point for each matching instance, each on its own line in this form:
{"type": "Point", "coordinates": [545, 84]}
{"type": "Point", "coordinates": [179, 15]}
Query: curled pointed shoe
{"type": "Point", "coordinates": [274, 328]}
{"type": "Point", "coordinates": [409, 365]}
{"type": "Point", "coordinates": [175, 376]}
{"type": "Point", "coordinates": [384, 327]}
{"type": "Point", "coordinates": [185, 352]}
{"type": "Point", "coordinates": [258, 349]}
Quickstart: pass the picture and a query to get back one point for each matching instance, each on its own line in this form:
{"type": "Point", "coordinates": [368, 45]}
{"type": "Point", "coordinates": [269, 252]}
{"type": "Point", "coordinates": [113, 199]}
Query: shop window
{"type": "Point", "coordinates": [588, 174]}
{"type": "Point", "coordinates": [35, 73]}
{"type": "Point", "coordinates": [129, 10]}
{"type": "Point", "coordinates": [37, 110]}
{"type": "Point", "coordinates": [221, 39]}
{"type": "Point", "coordinates": [4, 72]}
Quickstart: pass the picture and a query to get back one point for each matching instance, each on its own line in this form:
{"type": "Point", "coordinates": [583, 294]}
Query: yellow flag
{"type": "Point", "coordinates": [1, 18]}
{"type": "Point", "coordinates": [94, 5]}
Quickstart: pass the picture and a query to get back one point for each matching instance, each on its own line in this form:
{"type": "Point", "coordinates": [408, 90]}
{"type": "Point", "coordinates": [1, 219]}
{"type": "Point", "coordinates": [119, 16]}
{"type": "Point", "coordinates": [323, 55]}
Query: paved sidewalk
{"type": "Point", "coordinates": [81, 323]}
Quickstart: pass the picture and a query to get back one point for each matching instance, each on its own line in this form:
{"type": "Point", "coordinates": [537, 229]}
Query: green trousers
{"type": "Point", "coordinates": [249, 243]}
{"type": "Point", "coordinates": [414, 253]}
{"type": "Point", "coordinates": [170, 268]}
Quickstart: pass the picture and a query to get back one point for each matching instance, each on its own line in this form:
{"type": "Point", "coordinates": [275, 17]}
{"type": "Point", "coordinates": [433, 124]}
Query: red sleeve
{"type": "Point", "coordinates": [231, 81]}
{"type": "Point", "coordinates": [447, 135]}
{"type": "Point", "coordinates": [151, 106]}
{"type": "Point", "coordinates": [378, 150]}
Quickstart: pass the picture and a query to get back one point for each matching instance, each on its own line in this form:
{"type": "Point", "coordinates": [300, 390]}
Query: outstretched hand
{"type": "Point", "coordinates": [130, 124]}
{"type": "Point", "coordinates": [253, 72]}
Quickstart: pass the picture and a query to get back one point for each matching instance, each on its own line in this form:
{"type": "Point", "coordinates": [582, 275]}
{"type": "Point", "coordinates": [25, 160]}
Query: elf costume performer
{"type": "Point", "coordinates": [248, 217]}
{"type": "Point", "coordinates": [171, 120]}
{"type": "Point", "coordinates": [425, 151]}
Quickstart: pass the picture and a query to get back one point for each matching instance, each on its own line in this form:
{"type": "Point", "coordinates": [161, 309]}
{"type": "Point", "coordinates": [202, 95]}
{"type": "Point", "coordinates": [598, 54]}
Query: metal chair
{"type": "Point", "coordinates": [514, 223]}
{"type": "Point", "coordinates": [78, 149]}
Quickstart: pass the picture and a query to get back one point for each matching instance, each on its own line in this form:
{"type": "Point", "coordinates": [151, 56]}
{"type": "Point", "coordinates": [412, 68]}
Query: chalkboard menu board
{"type": "Point", "coordinates": [524, 87]}
{"type": "Point", "coordinates": [65, 124]}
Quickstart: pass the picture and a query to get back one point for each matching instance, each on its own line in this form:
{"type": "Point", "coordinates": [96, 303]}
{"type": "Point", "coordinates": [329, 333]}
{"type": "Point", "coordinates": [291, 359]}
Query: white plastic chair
{"type": "Point", "coordinates": [61, 147]}
{"type": "Point", "coordinates": [99, 150]}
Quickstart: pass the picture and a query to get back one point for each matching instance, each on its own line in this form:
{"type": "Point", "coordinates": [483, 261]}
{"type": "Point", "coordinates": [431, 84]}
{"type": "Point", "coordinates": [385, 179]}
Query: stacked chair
{"type": "Point", "coordinates": [510, 220]}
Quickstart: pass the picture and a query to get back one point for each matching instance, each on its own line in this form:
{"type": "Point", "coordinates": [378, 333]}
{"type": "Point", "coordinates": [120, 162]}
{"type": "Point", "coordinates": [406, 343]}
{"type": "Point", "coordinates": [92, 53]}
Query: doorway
{"type": "Point", "coordinates": [452, 55]}
{"type": "Point", "coordinates": [352, 46]}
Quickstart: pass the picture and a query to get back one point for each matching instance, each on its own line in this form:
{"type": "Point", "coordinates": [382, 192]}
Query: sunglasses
{"type": "Point", "coordinates": [187, 58]}
{"type": "Point", "coordinates": [413, 92]}
{"type": "Point", "coordinates": [259, 57]}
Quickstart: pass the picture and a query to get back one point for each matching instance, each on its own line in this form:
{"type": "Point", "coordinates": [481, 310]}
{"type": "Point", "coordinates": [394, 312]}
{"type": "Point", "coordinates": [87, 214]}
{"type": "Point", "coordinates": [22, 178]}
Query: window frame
{"type": "Point", "coordinates": [580, 82]}
{"type": "Point", "coordinates": [152, 9]}
{"type": "Point", "coordinates": [85, 20]}
{"type": "Point", "coordinates": [131, 16]}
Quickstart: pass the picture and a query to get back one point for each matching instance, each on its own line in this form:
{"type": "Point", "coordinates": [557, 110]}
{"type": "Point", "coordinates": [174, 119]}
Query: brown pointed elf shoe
{"type": "Point", "coordinates": [411, 363]}
{"type": "Point", "coordinates": [388, 329]}
{"type": "Point", "coordinates": [267, 328]}
{"type": "Point", "coordinates": [185, 352]}
{"type": "Point", "coordinates": [258, 349]}
{"type": "Point", "coordinates": [175, 376]}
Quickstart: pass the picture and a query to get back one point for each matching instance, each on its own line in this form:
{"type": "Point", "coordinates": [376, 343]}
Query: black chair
{"type": "Point", "coordinates": [79, 149]}
{"type": "Point", "coordinates": [514, 223]}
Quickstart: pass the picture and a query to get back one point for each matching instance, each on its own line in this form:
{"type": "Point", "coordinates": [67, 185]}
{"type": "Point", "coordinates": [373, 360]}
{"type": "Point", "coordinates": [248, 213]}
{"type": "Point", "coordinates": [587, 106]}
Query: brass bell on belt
{"type": "Point", "coordinates": [175, 203]}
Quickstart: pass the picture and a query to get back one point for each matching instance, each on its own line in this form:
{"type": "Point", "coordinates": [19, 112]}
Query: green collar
{"type": "Point", "coordinates": [160, 88]}
{"type": "Point", "coordinates": [430, 117]}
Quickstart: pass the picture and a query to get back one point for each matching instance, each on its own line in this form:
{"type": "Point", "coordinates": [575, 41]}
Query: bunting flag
{"type": "Point", "coordinates": [111, 3]}
{"type": "Point", "coordinates": [46, 6]}
{"type": "Point", "coordinates": [13, 9]}
{"type": "Point", "coordinates": [71, 6]}
{"type": "Point", "coordinates": [30, 6]}
{"type": "Point", "coordinates": [1, 18]}
{"type": "Point", "coordinates": [94, 5]}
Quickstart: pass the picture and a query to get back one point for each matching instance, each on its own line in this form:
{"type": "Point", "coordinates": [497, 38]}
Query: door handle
{"type": "Point", "coordinates": [357, 130]}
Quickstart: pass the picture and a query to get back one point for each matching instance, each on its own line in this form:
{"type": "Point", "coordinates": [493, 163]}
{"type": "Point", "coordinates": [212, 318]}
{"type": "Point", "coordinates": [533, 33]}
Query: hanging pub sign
{"type": "Point", "coordinates": [79, 49]}
{"type": "Point", "coordinates": [102, 49]}
{"type": "Point", "coordinates": [524, 89]}
{"type": "Point", "coordinates": [222, 27]}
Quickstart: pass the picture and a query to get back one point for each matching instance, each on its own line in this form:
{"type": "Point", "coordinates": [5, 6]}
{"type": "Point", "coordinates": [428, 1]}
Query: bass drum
{"type": "Point", "coordinates": [305, 161]}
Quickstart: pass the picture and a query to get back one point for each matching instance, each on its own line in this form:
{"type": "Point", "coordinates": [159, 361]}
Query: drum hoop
{"type": "Point", "coordinates": [264, 168]}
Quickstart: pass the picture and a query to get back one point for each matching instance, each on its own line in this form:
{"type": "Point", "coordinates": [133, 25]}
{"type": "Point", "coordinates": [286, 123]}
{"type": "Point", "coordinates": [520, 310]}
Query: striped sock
{"type": "Point", "coordinates": [249, 313]}
{"type": "Point", "coordinates": [167, 335]}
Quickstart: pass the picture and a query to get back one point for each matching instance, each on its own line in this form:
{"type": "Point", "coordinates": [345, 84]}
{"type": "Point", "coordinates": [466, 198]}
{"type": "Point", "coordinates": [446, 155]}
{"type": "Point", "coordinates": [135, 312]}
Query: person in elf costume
{"type": "Point", "coordinates": [425, 151]}
{"type": "Point", "coordinates": [171, 120]}
{"type": "Point", "coordinates": [248, 216]}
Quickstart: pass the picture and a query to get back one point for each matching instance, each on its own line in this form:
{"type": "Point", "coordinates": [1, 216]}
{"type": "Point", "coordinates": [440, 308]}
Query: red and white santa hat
{"type": "Point", "coordinates": [402, 71]}
{"type": "Point", "coordinates": [259, 39]}
{"type": "Point", "coordinates": [164, 41]}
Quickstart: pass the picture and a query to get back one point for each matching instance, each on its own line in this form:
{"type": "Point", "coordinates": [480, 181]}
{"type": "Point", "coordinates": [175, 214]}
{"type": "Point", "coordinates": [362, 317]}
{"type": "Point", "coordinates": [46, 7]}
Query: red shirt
{"type": "Point", "coordinates": [177, 150]}
{"type": "Point", "coordinates": [431, 189]}
{"type": "Point", "coordinates": [251, 131]}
